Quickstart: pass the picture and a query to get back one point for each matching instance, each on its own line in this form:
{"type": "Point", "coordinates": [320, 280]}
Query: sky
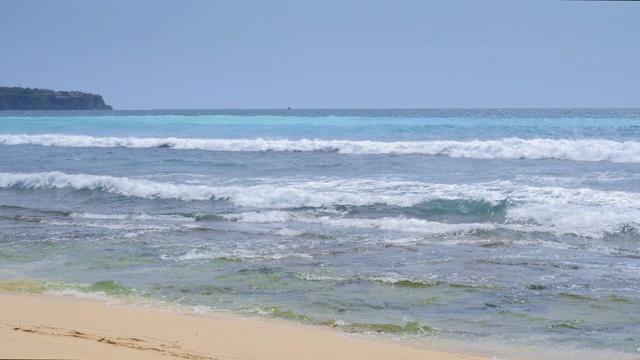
{"type": "Point", "coordinates": [265, 54]}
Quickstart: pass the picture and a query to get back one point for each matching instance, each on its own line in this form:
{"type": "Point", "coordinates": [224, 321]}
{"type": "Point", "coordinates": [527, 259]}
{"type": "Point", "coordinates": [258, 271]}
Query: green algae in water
{"type": "Point", "coordinates": [227, 259]}
{"type": "Point", "coordinates": [210, 290]}
{"type": "Point", "coordinates": [29, 286]}
{"type": "Point", "coordinates": [571, 296]}
{"type": "Point", "coordinates": [511, 314]}
{"type": "Point", "coordinates": [417, 284]}
{"type": "Point", "coordinates": [415, 327]}
{"type": "Point", "coordinates": [536, 287]}
{"type": "Point", "coordinates": [110, 287]}
{"type": "Point", "coordinates": [412, 327]}
{"type": "Point", "coordinates": [473, 288]}
{"type": "Point", "coordinates": [381, 328]}
{"type": "Point", "coordinates": [278, 312]}
{"type": "Point", "coordinates": [430, 301]}
{"type": "Point", "coordinates": [570, 324]}
{"type": "Point", "coordinates": [262, 270]}
{"type": "Point", "coordinates": [11, 256]}
{"type": "Point", "coordinates": [618, 298]}
{"type": "Point", "coordinates": [121, 262]}
{"type": "Point", "coordinates": [600, 302]}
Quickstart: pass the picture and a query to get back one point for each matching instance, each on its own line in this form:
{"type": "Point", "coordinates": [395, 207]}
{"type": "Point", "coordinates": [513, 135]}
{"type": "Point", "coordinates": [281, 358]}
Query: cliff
{"type": "Point", "coordinates": [16, 98]}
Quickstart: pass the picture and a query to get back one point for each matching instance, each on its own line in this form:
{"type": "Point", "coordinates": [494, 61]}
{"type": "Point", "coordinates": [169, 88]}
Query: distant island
{"type": "Point", "coordinates": [17, 98]}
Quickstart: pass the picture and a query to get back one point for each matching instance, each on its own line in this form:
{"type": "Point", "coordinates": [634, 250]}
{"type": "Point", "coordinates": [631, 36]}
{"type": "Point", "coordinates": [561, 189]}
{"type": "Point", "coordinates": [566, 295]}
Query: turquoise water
{"type": "Point", "coordinates": [518, 227]}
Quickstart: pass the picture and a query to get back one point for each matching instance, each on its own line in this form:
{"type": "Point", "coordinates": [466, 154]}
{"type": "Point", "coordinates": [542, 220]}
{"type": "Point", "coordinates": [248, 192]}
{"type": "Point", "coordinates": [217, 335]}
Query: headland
{"type": "Point", "coordinates": [18, 98]}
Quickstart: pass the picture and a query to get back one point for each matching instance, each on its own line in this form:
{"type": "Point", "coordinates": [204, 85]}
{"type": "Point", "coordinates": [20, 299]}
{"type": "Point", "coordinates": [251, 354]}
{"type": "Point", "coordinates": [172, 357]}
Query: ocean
{"type": "Point", "coordinates": [511, 227]}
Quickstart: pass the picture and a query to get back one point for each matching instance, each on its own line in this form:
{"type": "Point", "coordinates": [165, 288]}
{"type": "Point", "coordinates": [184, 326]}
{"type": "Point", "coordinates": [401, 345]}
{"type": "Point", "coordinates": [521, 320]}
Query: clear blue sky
{"type": "Point", "coordinates": [179, 54]}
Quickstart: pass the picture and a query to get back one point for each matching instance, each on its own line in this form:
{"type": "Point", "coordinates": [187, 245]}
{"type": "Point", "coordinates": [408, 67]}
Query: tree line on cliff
{"type": "Point", "coordinates": [18, 98]}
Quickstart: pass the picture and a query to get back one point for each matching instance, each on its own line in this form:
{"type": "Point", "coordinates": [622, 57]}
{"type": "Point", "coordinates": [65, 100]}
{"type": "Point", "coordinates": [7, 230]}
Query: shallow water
{"type": "Point", "coordinates": [517, 227]}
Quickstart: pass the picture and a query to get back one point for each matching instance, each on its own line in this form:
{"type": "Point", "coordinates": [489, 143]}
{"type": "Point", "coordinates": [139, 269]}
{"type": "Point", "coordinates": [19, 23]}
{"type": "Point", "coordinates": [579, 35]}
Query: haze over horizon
{"type": "Point", "coordinates": [174, 54]}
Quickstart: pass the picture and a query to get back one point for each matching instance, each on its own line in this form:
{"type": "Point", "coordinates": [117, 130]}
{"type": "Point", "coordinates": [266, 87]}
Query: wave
{"type": "Point", "coordinates": [571, 219]}
{"type": "Point", "coordinates": [562, 211]}
{"type": "Point", "coordinates": [288, 193]}
{"type": "Point", "coordinates": [110, 226]}
{"type": "Point", "coordinates": [511, 148]}
{"type": "Point", "coordinates": [274, 193]}
{"type": "Point", "coordinates": [238, 255]}
{"type": "Point", "coordinates": [583, 221]}
{"type": "Point", "coordinates": [120, 186]}
{"type": "Point", "coordinates": [390, 224]}
{"type": "Point", "coordinates": [411, 206]}
{"type": "Point", "coordinates": [131, 217]}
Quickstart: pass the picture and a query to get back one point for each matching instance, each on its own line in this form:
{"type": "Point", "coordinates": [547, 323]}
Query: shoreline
{"type": "Point", "coordinates": [49, 326]}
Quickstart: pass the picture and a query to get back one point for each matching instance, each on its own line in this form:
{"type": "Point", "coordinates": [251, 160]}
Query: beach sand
{"type": "Point", "coordinates": [45, 326]}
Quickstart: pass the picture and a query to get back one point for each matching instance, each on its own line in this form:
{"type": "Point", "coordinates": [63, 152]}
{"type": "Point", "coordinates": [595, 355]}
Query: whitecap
{"type": "Point", "coordinates": [509, 148]}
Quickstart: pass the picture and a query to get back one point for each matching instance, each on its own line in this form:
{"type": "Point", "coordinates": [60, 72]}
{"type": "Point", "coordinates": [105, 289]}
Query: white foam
{"type": "Point", "coordinates": [289, 232]}
{"type": "Point", "coordinates": [278, 194]}
{"type": "Point", "coordinates": [580, 211]}
{"type": "Point", "coordinates": [99, 295]}
{"type": "Point", "coordinates": [556, 218]}
{"type": "Point", "coordinates": [287, 193]}
{"type": "Point", "coordinates": [389, 278]}
{"type": "Point", "coordinates": [408, 225]}
{"type": "Point", "coordinates": [260, 217]}
{"type": "Point", "coordinates": [568, 219]}
{"type": "Point", "coordinates": [135, 217]}
{"type": "Point", "coordinates": [511, 148]}
{"type": "Point", "coordinates": [387, 223]}
{"type": "Point", "coordinates": [317, 277]}
{"type": "Point", "coordinates": [111, 226]}
{"type": "Point", "coordinates": [240, 254]}
{"type": "Point", "coordinates": [393, 278]}
{"type": "Point", "coordinates": [99, 216]}
{"type": "Point", "coordinates": [199, 255]}
{"type": "Point", "coordinates": [121, 186]}
{"type": "Point", "coordinates": [577, 180]}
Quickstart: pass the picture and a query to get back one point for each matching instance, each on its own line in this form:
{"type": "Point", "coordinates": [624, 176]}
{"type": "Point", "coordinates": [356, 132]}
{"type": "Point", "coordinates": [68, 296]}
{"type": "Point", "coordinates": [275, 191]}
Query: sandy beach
{"type": "Point", "coordinates": [34, 326]}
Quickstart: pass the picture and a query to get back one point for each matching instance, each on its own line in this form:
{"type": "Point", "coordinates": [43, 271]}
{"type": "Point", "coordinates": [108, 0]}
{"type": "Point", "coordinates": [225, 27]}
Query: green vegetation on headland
{"type": "Point", "coordinates": [17, 98]}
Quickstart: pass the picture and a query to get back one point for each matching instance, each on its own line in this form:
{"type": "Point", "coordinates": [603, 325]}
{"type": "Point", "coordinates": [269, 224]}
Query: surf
{"type": "Point", "coordinates": [508, 148]}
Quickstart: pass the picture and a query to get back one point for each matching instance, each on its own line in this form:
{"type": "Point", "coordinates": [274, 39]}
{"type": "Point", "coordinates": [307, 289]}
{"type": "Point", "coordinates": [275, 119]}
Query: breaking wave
{"type": "Point", "coordinates": [511, 148]}
{"type": "Point", "coordinates": [289, 193]}
{"type": "Point", "coordinates": [561, 211]}
{"type": "Point", "coordinates": [423, 227]}
{"type": "Point", "coordinates": [294, 193]}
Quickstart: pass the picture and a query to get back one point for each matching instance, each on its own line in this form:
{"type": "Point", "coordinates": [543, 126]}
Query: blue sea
{"type": "Point", "coordinates": [518, 228]}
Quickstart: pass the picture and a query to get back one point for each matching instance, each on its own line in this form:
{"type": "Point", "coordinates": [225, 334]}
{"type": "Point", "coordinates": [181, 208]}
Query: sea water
{"type": "Point", "coordinates": [516, 227]}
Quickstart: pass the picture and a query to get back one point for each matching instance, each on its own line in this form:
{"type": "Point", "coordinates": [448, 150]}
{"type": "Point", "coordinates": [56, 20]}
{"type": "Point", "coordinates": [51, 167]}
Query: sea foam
{"type": "Point", "coordinates": [580, 220]}
{"type": "Point", "coordinates": [292, 192]}
{"type": "Point", "coordinates": [277, 194]}
{"type": "Point", "coordinates": [421, 226]}
{"type": "Point", "coordinates": [510, 148]}
{"type": "Point", "coordinates": [131, 217]}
